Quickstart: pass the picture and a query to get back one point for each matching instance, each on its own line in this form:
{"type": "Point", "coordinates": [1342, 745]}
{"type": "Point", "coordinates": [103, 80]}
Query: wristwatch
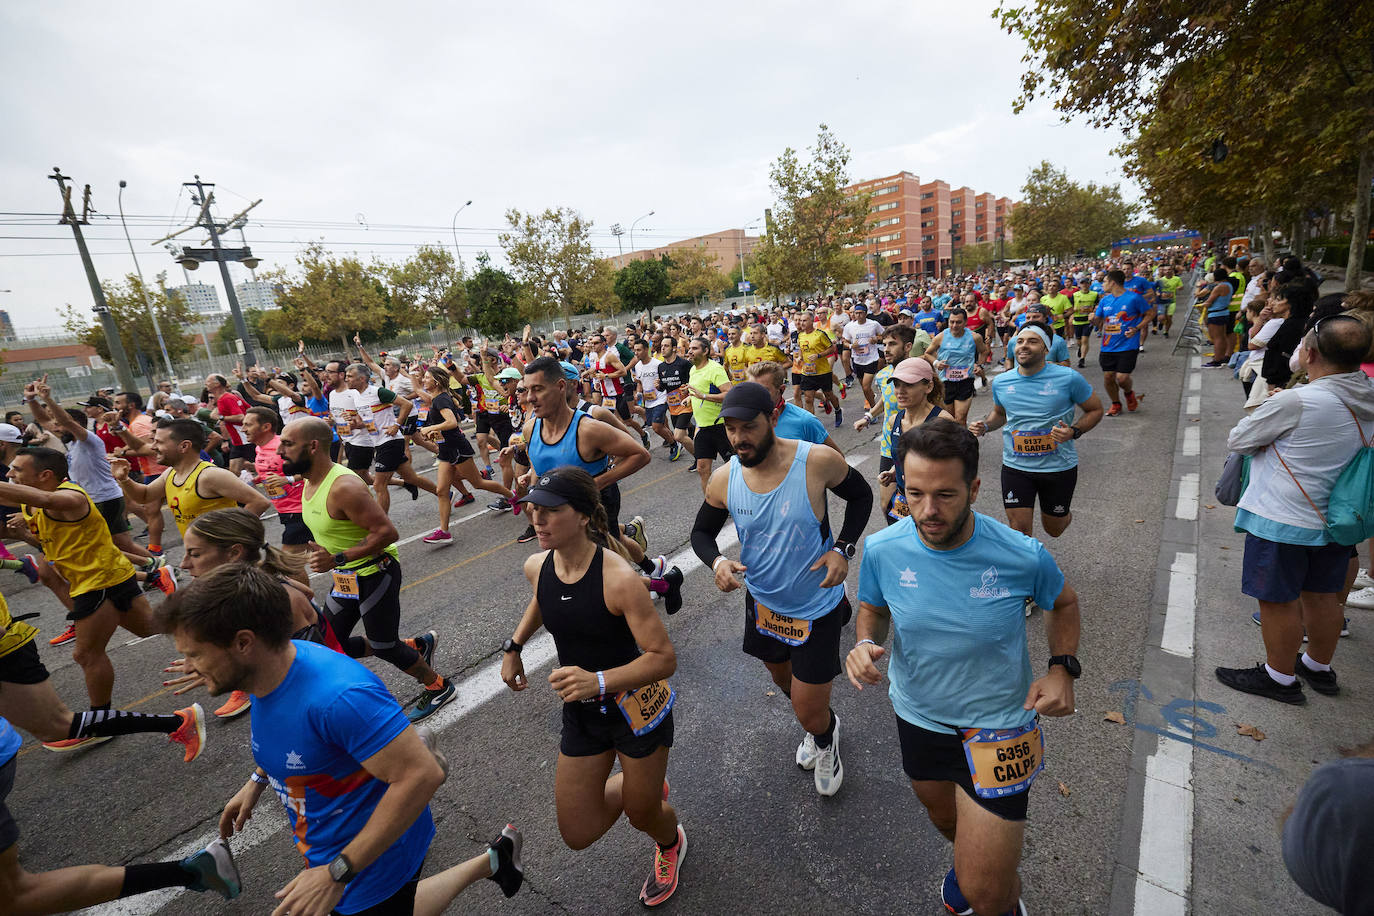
{"type": "Point", "coordinates": [844, 549]}
{"type": "Point", "coordinates": [511, 645]}
{"type": "Point", "coordinates": [1069, 663]}
{"type": "Point", "coordinates": [1076, 431]}
{"type": "Point", "coordinates": [341, 870]}
{"type": "Point", "coordinates": [340, 559]}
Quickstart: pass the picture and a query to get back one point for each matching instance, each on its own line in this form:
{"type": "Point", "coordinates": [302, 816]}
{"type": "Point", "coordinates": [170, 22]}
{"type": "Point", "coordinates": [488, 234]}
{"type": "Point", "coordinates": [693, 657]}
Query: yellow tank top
{"type": "Point", "coordinates": [736, 362]}
{"type": "Point", "coordinates": [185, 501]}
{"type": "Point", "coordinates": [811, 345]}
{"type": "Point", "coordinates": [83, 551]}
{"type": "Point", "coordinates": [16, 634]}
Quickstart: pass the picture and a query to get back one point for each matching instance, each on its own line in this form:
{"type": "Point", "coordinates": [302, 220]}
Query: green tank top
{"type": "Point", "coordinates": [335, 534]}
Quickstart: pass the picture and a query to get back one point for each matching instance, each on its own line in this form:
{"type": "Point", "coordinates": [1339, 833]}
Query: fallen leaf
{"type": "Point", "coordinates": [1140, 521]}
{"type": "Point", "coordinates": [1250, 731]}
{"type": "Point", "coordinates": [1116, 717]}
{"type": "Point", "coordinates": [770, 693]}
{"type": "Point", "coordinates": [1210, 506]}
{"type": "Point", "coordinates": [1226, 548]}
{"type": "Point", "coordinates": [1063, 790]}
{"type": "Point", "coordinates": [1195, 420]}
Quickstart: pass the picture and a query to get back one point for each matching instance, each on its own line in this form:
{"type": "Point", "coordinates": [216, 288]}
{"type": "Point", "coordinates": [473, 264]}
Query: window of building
{"type": "Point", "coordinates": [927, 195]}
{"type": "Point", "coordinates": [927, 251]}
{"type": "Point", "coordinates": [887, 238]}
{"type": "Point", "coordinates": [887, 190]}
{"type": "Point", "coordinates": [927, 209]}
{"type": "Point", "coordinates": [957, 213]}
{"type": "Point", "coordinates": [891, 253]}
{"type": "Point", "coordinates": [888, 206]}
{"type": "Point", "coordinates": [956, 200]}
{"type": "Point", "coordinates": [890, 221]}
{"type": "Point", "coordinates": [928, 238]}
{"type": "Point", "coordinates": [980, 205]}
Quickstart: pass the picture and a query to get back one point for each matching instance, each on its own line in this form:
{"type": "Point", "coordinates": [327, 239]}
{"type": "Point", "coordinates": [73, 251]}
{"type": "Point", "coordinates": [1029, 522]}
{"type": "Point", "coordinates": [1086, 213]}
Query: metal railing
{"type": "Point", "coordinates": [1190, 333]}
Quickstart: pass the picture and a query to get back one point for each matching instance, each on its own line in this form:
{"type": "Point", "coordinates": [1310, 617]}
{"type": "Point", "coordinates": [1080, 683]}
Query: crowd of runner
{"type": "Point", "coordinates": [550, 428]}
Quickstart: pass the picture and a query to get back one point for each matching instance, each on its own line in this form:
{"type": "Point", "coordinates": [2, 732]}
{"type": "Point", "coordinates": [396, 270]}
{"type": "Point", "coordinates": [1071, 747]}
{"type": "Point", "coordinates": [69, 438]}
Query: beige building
{"type": "Point", "coordinates": [728, 247]}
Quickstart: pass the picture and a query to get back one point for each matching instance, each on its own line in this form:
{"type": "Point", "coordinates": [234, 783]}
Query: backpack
{"type": "Point", "coordinates": [1350, 509]}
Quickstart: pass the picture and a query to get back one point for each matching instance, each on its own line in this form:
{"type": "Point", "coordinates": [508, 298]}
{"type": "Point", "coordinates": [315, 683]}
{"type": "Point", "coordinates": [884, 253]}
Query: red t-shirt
{"type": "Point", "coordinates": [107, 438]}
{"type": "Point", "coordinates": [230, 404]}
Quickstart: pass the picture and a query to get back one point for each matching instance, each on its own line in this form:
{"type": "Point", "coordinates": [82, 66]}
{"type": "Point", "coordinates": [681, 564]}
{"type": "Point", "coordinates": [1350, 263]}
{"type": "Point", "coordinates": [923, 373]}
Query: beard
{"type": "Point", "coordinates": [952, 533]}
{"type": "Point", "coordinates": [761, 451]}
{"type": "Point", "coordinates": [292, 468]}
{"type": "Point", "coordinates": [235, 679]}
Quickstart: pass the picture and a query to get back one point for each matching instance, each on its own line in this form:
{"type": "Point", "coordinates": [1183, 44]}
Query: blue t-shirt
{"type": "Point", "coordinates": [319, 407]}
{"type": "Point", "coordinates": [795, 423]}
{"type": "Point", "coordinates": [959, 653]}
{"type": "Point", "coordinates": [940, 300]}
{"type": "Point", "coordinates": [959, 355]}
{"type": "Point", "coordinates": [928, 321]}
{"type": "Point", "coordinates": [1221, 306]}
{"type": "Point", "coordinates": [1141, 285]}
{"type": "Point", "coordinates": [1033, 405]}
{"type": "Point", "coordinates": [1096, 286]}
{"type": "Point", "coordinates": [310, 736]}
{"type": "Point", "coordinates": [1122, 316]}
{"type": "Point", "coordinates": [9, 742]}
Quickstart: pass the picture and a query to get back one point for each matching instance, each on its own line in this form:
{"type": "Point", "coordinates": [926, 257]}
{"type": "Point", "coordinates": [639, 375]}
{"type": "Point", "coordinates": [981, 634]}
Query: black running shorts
{"type": "Point", "coordinates": [122, 596]}
{"type": "Point", "coordinates": [389, 456]}
{"type": "Point", "coordinates": [929, 756]}
{"type": "Point", "coordinates": [22, 666]}
{"type": "Point", "coordinates": [115, 514]}
{"type": "Point", "coordinates": [595, 727]}
{"type": "Point", "coordinates": [825, 381]}
{"type": "Point", "coordinates": [1054, 489]}
{"type": "Point", "coordinates": [358, 457]}
{"type": "Point", "coordinates": [1122, 361]}
{"type": "Point", "coordinates": [816, 661]}
{"type": "Point", "coordinates": [711, 442]}
{"type": "Point", "coordinates": [962, 390]}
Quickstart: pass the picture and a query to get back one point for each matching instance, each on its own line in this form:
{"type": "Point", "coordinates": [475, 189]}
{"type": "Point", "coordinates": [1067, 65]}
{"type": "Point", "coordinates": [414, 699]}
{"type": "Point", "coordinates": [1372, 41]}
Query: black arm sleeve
{"type": "Point", "coordinates": [710, 520]}
{"type": "Point", "coordinates": [858, 505]}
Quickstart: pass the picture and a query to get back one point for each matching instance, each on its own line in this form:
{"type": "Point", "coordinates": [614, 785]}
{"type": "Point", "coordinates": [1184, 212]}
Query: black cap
{"type": "Point", "coordinates": [549, 491]}
{"type": "Point", "coordinates": [96, 400]}
{"type": "Point", "coordinates": [746, 401]}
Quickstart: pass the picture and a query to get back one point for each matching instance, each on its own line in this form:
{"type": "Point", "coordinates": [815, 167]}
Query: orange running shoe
{"type": "Point", "coordinates": [237, 704]}
{"type": "Point", "coordinates": [192, 731]}
{"type": "Point", "coordinates": [1115, 409]}
{"type": "Point", "coordinates": [66, 635]}
{"type": "Point", "coordinates": [1132, 402]}
{"type": "Point", "coordinates": [72, 744]}
{"type": "Point", "coordinates": [662, 881]}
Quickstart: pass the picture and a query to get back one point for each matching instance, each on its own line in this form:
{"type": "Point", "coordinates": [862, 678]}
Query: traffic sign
{"type": "Point", "coordinates": [745, 286]}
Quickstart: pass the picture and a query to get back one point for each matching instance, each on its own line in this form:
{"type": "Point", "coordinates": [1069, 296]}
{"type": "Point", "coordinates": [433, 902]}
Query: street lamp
{"type": "Point", "coordinates": [157, 328]}
{"type": "Point", "coordinates": [632, 230]}
{"type": "Point", "coordinates": [743, 232]}
{"type": "Point", "coordinates": [951, 252]}
{"type": "Point", "coordinates": [454, 226]}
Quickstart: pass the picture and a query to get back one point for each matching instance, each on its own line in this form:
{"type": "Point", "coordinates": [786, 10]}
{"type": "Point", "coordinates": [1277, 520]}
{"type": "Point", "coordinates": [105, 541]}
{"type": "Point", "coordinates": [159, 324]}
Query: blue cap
{"type": "Point", "coordinates": [570, 372]}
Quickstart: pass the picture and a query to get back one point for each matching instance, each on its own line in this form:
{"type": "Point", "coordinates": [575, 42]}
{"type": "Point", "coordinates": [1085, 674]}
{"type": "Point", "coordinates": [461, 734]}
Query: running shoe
{"type": "Point", "coordinates": [675, 451]}
{"type": "Point", "coordinates": [424, 644]}
{"type": "Point", "coordinates": [1132, 402]}
{"type": "Point", "coordinates": [839, 417]}
{"type": "Point", "coordinates": [65, 636]}
{"type": "Point", "coordinates": [952, 897]}
{"type": "Point", "coordinates": [28, 569]}
{"type": "Point", "coordinates": [1257, 681]}
{"type": "Point", "coordinates": [635, 532]}
{"type": "Point", "coordinates": [1115, 409]}
{"type": "Point", "coordinates": [1081, 362]}
{"type": "Point", "coordinates": [1363, 598]}
{"type": "Point", "coordinates": [1213, 364]}
{"type": "Point", "coordinates": [509, 873]}
{"type": "Point", "coordinates": [191, 734]}
{"type": "Point", "coordinates": [1362, 578]}
{"type": "Point", "coordinates": [660, 567]}
{"type": "Point", "coordinates": [844, 389]}
{"type": "Point", "coordinates": [413, 490]}
{"type": "Point", "coordinates": [829, 769]}
{"type": "Point", "coordinates": [662, 881]}
{"type": "Point", "coordinates": [73, 744]}
{"type": "Point", "coordinates": [672, 599]}
{"type": "Point", "coordinates": [807, 752]}
{"type": "Point", "coordinates": [501, 505]}
{"type": "Point", "coordinates": [431, 741]}
{"type": "Point", "coordinates": [438, 536]}
{"type": "Point", "coordinates": [237, 704]}
{"type": "Point", "coordinates": [165, 580]}
{"type": "Point", "coordinates": [825, 404]}
{"type": "Point", "coordinates": [527, 535]}
{"type": "Point", "coordinates": [466, 499]}
{"type": "Point", "coordinates": [431, 700]}
{"type": "Point", "coordinates": [644, 437]}
{"type": "Point", "coordinates": [1324, 682]}
{"type": "Point", "coordinates": [214, 870]}
{"type": "Point", "coordinates": [488, 472]}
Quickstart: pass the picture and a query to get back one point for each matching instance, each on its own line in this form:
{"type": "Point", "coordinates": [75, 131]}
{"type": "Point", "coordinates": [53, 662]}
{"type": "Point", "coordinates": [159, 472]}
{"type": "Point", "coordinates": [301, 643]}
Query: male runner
{"type": "Point", "coordinates": [864, 336]}
{"type": "Point", "coordinates": [1167, 299]}
{"type": "Point", "coordinates": [951, 583]}
{"type": "Point", "coordinates": [762, 349]}
{"type": "Point", "coordinates": [354, 777]}
{"type": "Point", "coordinates": [956, 352]}
{"type": "Point", "coordinates": [707, 384]}
{"type": "Point", "coordinates": [262, 427]}
{"type": "Point", "coordinates": [378, 441]}
{"type": "Point", "coordinates": [815, 349]}
{"type": "Point", "coordinates": [735, 359]}
{"type": "Point", "coordinates": [652, 400]}
{"type": "Point", "coordinates": [1122, 317]}
{"type": "Point", "coordinates": [673, 372]}
{"type": "Point", "coordinates": [355, 541]}
{"type": "Point", "coordinates": [231, 408]}
{"type": "Point", "coordinates": [794, 604]}
{"type": "Point", "coordinates": [1059, 305]}
{"type": "Point", "coordinates": [1084, 307]}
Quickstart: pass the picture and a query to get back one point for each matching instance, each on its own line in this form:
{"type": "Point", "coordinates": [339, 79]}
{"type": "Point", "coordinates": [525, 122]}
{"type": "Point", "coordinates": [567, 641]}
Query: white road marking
{"type": "Point", "coordinates": [1193, 405]}
{"type": "Point", "coordinates": [1164, 872]}
{"type": "Point", "coordinates": [415, 537]}
{"type": "Point", "coordinates": [1187, 497]}
{"type": "Point", "coordinates": [1192, 442]}
{"type": "Point", "coordinates": [1195, 381]}
{"type": "Point", "coordinates": [1181, 611]}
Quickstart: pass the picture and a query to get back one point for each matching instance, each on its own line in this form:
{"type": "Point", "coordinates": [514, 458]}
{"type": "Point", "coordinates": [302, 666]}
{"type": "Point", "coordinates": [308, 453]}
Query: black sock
{"type": "Point", "coordinates": [106, 723]}
{"type": "Point", "coordinates": [673, 845]}
{"type": "Point", "coordinates": [413, 490]}
{"type": "Point", "coordinates": [824, 738]}
{"type": "Point", "coordinates": [645, 564]}
{"type": "Point", "coordinates": [140, 879]}
{"type": "Point", "coordinates": [355, 647]}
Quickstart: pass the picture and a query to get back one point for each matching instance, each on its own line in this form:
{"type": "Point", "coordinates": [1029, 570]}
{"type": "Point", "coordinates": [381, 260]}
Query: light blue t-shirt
{"type": "Point", "coordinates": [959, 652]}
{"type": "Point", "coordinates": [310, 736]}
{"type": "Point", "coordinates": [1121, 316]}
{"type": "Point", "coordinates": [88, 466]}
{"type": "Point", "coordinates": [940, 300]}
{"type": "Point", "coordinates": [9, 741]}
{"type": "Point", "coordinates": [959, 353]}
{"type": "Point", "coordinates": [1033, 405]}
{"type": "Point", "coordinates": [796, 423]}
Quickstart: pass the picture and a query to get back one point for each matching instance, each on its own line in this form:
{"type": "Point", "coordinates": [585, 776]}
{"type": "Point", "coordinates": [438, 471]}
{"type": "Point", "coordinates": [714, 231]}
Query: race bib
{"type": "Point", "coordinates": [953, 374]}
{"type": "Point", "coordinates": [899, 509]}
{"type": "Point", "coordinates": [274, 490]}
{"type": "Point", "coordinates": [645, 707]}
{"type": "Point", "coordinates": [789, 630]}
{"type": "Point", "coordinates": [345, 584]}
{"type": "Point", "coordinates": [1032, 441]}
{"type": "Point", "coordinates": [1111, 326]}
{"type": "Point", "coordinates": [678, 401]}
{"type": "Point", "coordinates": [422, 413]}
{"type": "Point", "coordinates": [1004, 761]}
{"type": "Point", "coordinates": [809, 365]}
{"type": "Point", "coordinates": [370, 426]}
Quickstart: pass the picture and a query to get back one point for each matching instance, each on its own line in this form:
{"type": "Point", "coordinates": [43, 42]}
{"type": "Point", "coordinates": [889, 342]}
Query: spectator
{"type": "Point", "coordinates": [1328, 834]}
{"type": "Point", "coordinates": [1277, 370]}
{"type": "Point", "coordinates": [1300, 440]}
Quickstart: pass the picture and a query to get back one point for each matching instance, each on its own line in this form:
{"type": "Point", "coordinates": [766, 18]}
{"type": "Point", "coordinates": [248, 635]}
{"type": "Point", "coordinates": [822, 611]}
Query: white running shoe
{"type": "Point", "coordinates": [1363, 579]}
{"type": "Point", "coordinates": [1363, 599]}
{"type": "Point", "coordinates": [807, 752]}
{"type": "Point", "coordinates": [829, 771]}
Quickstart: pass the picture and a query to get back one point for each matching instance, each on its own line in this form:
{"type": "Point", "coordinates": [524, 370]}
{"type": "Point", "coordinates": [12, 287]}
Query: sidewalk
{"type": "Point", "coordinates": [1203, 814]}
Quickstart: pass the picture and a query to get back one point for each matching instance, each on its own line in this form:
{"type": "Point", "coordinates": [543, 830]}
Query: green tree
{"type": "Point", "coordinates": [693, 273]}
{"type": "Point", "coordinates": [430, 284]}
{"type": "Point", "coordinates": [551, 254]}
{"type": "Point", "coordinates": [598, 293]}
{"type": "Point", "coordinates": [814, 221]}
{"type": "Point", "coordinates": [738, 274]}
{"type": "Point", "coordinates": [1057, 216]}
{"type": "Point", "coordinates": [976, 255]}
{"type": "Point", "coordinates": [330, 298]}
{"type": "Point", "coordinates": [493, 300]}
{"type": "Point", "coordinates": [270, 340]}
{"type": "Point", "coordinates": [130, 312]}
{"type": "Point", "coordinates": [1229, 69]}
{"type": "Point", "coordinates": [643, 285]}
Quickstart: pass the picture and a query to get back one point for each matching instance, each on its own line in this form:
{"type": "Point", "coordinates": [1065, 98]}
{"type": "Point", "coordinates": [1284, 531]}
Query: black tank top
{"type": "Point", "coordinates": [585, 632]}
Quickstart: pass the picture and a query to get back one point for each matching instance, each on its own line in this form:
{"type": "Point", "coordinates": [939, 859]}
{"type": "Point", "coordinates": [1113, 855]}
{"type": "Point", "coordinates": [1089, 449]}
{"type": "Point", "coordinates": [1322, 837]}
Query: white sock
{"type": "Point", "coordinates": [1313, 664]}
{"type": "Point", "coordinates": [1283, 680]}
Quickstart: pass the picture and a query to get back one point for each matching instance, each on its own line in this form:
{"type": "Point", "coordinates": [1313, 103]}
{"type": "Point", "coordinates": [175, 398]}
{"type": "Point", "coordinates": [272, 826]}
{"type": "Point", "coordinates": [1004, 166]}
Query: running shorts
{"type": "Point", "coordinates": [711, 442]}
{"type": "Point", "coordinates": [825, 381]}
{"type": "Point", "coordinates": [1122, 361]}
{"type": "Point", "coordinates": [498, 423]}
{"type": "Point", "coordinates": [1054, 489]}
{"type": "Point", "coordinates": [22, 666]}
{"type": "Point", "coordinates": [1280, 573]}
{"type": "Point", "coordinates": [929, 756]}
{"type": "Point", "coordinates": [681, 421]}
{"type": "Point", "coordinates": [816, 661]}
{"type": "Point", "coordinates": [358, 457]}
{"type": "Point", "coordinates": [1082, 330]}
{"type": "Point", "coordinates": [293, 529]}
{"type": "Point", "coordinates": [122, 596]}
{"type": "Point", "coordinates": [378, 606]}
{"type": "Point", "coordinates": [868, 368]}
{"type": "Point", "coordinates": [247, 451]}
{"type": "Point", "coordinates": [961, 390]}
{"type": "Point", "coordinates": [115, 514]}
{"type": "Point", "coordinates": [389, 456]}
{"type": "Point", "coordinates": [595, 726]}
{"type": "Point", "coordinates": [657, 414]}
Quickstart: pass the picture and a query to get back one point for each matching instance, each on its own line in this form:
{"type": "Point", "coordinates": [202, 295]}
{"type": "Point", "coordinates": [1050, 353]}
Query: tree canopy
{"type": "Point", "coordinates": [551, 254]}
{"type": "Point", "coordinates": [643, 285]}
{"type": "Point", "coordinates": [693, 273]}
{"type": "Point", "coordinates": [1057, 215]}
{"type": "Point", "coordinates": [493, 300]}
{"type": "Point", "coordinates": [430, 283]}
{"type": "Point", "coordinates": [331, 298]}
{"type": "Point", "coordinates": [130, 312]}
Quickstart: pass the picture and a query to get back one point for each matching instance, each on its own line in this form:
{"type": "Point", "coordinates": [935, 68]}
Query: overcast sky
{"type": "Point", "coordinates": [393, 114]}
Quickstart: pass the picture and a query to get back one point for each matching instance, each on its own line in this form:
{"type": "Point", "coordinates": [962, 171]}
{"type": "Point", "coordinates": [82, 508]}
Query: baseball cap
{"type": "Point", "coordinates": [570, 372]}
{"type": "Point", "coordinates": [549, 491]}
{"type": "Point", "coordinates": [746, 401]}
{"type": "Point", "coordinates": [861, 305]}
{"type": "Point", "coordinates": [10, 433]}
{"type": "Point", "coordinates": [912, 370]}
{"type": "Point", "coordinates": [508, 373]}
{"type": "Point", "coordinates": [907, 312]}
{"type": "Point", "coordinates": [96, 400]}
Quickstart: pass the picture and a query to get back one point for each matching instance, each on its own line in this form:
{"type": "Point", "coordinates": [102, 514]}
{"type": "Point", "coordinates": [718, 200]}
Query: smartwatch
{"type": "Point", "coordinates": [340, 559]}
{"type": "Point", "coordinates": [511, 645]}
{"type": "Point", "coordinates": [1076, 431]}
{"type": "Point", "coordinates": [1070, 663]}
{"type": "Point", "coordinates": [341, 870]}
{"type": "Point", "coordinates": [844, 549]}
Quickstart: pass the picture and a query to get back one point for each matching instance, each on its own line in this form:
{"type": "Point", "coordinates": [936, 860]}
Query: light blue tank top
{"type": "Point", "coordinates": [960, 353]}
{"type": "Point", "coordinates": [545, 457]}
{"type": "Point", "coordinates": [780, 537]}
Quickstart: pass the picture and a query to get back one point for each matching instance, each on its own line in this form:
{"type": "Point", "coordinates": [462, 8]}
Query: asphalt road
{"type": "Point", "coordinates": [760, 838]}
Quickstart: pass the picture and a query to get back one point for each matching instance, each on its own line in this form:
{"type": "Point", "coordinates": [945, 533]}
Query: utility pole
{"type": "Point", "coordinates": [617, 230]}
{"type": "Point", "coordinates": [122, 371]}
{"type": "Point", "coordinates": [157, 328]}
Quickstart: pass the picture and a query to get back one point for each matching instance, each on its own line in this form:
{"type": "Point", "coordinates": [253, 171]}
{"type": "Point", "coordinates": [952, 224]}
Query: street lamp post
{"type": "Point", "coordinates": [457, 253]}
{"type": "Point", "coordinates": [632, 230]}
{"type": "Point", "coordinates": [157, 328]}
{"type": "Point", "coordinates": [951, 252]}
{"type": "Point", "coordinates": [740, 248]}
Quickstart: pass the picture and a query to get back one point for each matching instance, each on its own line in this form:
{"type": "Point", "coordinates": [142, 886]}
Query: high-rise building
{"type": "Point", "coordinates": [6, 326]}
{"type": "Point", "coordinates": [728, 247]}
{"type": "Point", "coordinates": [201, 298]}
{"type": "Point", "coordinates": [256, 294]}
{"type": "Point", "coordinates": [918, 228]}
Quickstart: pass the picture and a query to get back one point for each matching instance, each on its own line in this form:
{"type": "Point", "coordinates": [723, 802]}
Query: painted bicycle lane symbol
{"type": "Point", "coordinates": [1182, 719]}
